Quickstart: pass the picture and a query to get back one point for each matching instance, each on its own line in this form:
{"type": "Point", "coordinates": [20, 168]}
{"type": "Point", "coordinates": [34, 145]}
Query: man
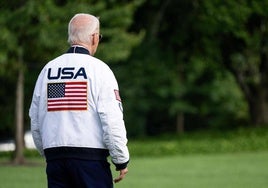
{"type": "Point", "coordinates": [76, 114]}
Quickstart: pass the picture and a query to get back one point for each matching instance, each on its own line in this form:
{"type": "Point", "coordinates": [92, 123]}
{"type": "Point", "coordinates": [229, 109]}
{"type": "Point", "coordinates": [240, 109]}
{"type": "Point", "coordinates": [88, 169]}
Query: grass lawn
{"type": "Point", "coordinates": [28, 176]}
{"type": "Point", "coordinates": [245, 170]}
{"type": "Point", "coordinates": [233, 170]}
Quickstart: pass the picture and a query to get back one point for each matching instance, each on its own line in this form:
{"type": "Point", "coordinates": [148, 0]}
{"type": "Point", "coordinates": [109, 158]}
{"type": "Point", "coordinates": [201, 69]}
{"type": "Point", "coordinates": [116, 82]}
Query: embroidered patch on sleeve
{"type": "Point", "coordinates": [117, 95]}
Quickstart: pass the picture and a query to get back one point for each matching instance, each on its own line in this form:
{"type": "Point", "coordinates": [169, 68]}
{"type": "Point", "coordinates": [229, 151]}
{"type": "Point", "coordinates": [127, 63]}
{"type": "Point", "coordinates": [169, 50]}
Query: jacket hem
{"type": "Point", "coordinates": [76, 152]}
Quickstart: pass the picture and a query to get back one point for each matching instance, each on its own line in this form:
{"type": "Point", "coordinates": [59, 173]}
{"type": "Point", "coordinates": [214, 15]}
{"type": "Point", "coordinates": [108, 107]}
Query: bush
{"type": "Point", "coordinates": [241, 140]}
{"type": "Point", "coordinates": [202, 142]}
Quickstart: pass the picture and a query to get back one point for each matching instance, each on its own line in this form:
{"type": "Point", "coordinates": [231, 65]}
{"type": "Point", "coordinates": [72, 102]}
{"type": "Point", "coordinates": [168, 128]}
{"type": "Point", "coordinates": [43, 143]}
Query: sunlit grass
{"type": "Point", "coordinates": [237, 159]}
{"type": "Point", "coordinates": [239, 170]}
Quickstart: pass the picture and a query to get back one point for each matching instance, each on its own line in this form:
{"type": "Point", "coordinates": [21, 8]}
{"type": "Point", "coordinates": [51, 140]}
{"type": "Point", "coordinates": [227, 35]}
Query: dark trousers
{"type": "Point", "coordinates": [75, 173]}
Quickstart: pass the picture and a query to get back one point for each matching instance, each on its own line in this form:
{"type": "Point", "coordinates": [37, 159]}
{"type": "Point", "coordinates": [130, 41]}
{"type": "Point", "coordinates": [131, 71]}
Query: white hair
{"type": "Point", "coordinates": [80, 27]}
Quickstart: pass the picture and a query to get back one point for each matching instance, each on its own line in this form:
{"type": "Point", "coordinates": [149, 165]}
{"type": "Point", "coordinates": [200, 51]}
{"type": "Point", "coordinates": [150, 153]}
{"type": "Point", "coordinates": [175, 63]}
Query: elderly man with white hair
{"type": "Point", "coordinates": [77, 116]}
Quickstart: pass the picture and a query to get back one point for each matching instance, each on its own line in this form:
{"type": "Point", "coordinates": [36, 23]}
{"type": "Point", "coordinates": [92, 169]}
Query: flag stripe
{"type": "Point", "coordinates": [67, 104]}
{"type": "Point", "coordinates": [66, 100]}
{"type": "Point", "coordinates": [66, 109]}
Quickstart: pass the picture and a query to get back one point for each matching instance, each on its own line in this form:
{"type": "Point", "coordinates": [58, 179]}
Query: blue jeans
{"type": "Point", "coordinates": [75, 173]}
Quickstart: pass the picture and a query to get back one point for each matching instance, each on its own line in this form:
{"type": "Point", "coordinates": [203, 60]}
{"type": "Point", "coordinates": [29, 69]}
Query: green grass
{"type": "Point", "coordinates": [234, 159]}
{"type": "Point", "coordinates": [240, 170]}
{"type": "Point", "coordinates": [233, 170]}
{"type": "Point", "coordinates": [28, 176]}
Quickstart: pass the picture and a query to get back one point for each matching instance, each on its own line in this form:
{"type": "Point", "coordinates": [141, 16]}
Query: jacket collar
{"type": "Point", "coordinates": [78, 49]}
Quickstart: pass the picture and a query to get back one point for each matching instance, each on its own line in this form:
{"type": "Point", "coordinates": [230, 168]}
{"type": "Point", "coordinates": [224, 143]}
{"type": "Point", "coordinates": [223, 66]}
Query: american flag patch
{"type": "Point", "coordinates": [117, 95]}
{"type": "Point", "coordinates": [67, 96]}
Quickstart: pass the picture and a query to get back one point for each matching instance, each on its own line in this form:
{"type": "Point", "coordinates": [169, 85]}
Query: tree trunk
{"type": "Point", "coordinates": [259, 109]}
{"type": "Point", "coordinates": [180, 123]}
{"type": "Point", "coordinates": [257, 99]}
{"type": "Point", "coordinates": [255, 92]}
{"type": "Point", "coordinates": [19, 134]}
{"type": "Point", "coordinates": [158, 20]}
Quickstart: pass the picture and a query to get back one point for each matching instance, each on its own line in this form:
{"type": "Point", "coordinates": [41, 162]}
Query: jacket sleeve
{"type": "Point", "coordinates": [34, 116]}
{"type": "Point", "coordinates": [111, 115]}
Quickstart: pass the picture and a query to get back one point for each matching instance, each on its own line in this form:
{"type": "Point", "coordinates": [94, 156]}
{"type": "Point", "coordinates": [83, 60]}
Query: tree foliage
{"type": "Point", "coordinates": [38, 31]}
{"type": "Point", "coordinates": [179, 76]}
{"type": "Point", "coordinates": [181, 65]}
{"type": "Point", "coordinates": [240, 29]}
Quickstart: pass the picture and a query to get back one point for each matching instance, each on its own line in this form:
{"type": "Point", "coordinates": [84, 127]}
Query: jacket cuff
{"type": "Point", "coordinates": [121, 166]}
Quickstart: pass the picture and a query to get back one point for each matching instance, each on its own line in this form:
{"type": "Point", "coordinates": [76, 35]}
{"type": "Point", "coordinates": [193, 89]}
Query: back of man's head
{"type": "Point", "coordinates": [80, 27]}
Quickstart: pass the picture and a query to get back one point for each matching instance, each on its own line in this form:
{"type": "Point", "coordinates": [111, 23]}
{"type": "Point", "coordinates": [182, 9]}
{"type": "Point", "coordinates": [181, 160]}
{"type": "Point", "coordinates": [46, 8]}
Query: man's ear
{"type": "Point", "coordinates": [94, 39]}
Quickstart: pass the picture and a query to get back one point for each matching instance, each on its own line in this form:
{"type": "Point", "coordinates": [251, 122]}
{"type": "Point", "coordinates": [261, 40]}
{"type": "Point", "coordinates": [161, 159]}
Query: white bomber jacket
{"type": "Point", "coordinates": [76, 110]}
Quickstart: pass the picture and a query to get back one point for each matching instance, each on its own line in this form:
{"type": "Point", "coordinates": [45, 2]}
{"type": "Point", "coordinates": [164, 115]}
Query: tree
{"type": "Point", "coordinates": [240, 27]}
{"type": "Point", "coordinates": [177, 73]}
{"type": "Point", "coordinates": [34, 32]}
{"type": "Point", "coordinates": [17, 67]}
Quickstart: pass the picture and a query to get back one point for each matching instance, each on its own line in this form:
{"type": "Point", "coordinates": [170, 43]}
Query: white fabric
{"type": "Point", "coordinates": [100, 126]}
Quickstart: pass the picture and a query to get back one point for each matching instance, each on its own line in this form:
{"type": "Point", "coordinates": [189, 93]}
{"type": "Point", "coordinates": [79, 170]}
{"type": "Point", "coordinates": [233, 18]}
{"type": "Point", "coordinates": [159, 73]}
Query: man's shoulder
{"type": "Point", "coordinates": [79, 60]}
{"type": "Point", "coordinates": [99, 63]}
